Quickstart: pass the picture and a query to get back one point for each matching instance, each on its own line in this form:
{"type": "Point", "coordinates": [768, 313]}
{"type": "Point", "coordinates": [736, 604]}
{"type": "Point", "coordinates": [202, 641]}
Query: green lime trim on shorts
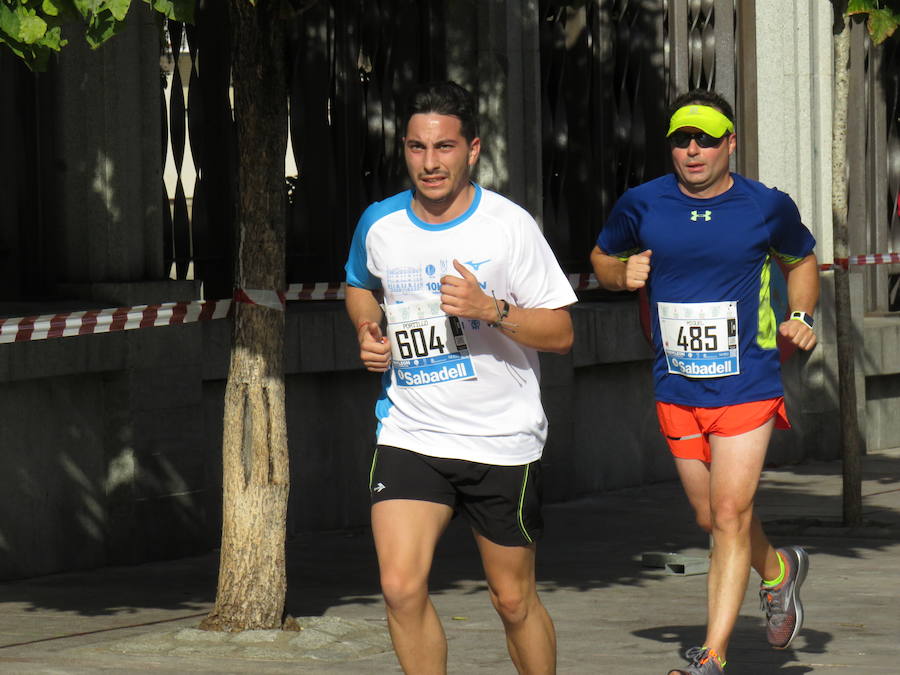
{"type": "Point", "coordinates": [765, 334]}
{"type": "Point", "coordinates": [372, 468]}
{"type": "Point", "coordinates": [521, 503]}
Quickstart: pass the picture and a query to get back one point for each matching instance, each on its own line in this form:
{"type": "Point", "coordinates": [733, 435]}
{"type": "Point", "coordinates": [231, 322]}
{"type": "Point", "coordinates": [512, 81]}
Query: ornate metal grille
{"type": "Point", "coordinates": [873, 149]}
{"type": "Point", "coordinates": [350, 62]}
{"type": "Point", "coordinates": [608, 70]}
{"type": "Point", "coordinates": [352, 65]}
{"type": "Point", "coordinates": [890, 73]}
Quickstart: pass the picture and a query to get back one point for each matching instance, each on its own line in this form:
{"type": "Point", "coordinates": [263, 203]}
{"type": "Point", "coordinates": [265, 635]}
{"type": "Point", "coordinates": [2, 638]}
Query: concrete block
{"type": "Point", "coordinates": [608, 332]}
{"type": "Point", "coordinates": [216, 348]}
{"type": "Point", "coordinates": [890, 350]}
{"type": "Point", "coordinates": [346, 345]}
{"type": "Point", "coordinates": [556, 370]}
{"type": "Point", "coordinates": [53, 499]}
{"type": "Point", "coordinates": [872, 350]}
{"type": "Point", "coordinates": [171, 527]}
{"type": "Point", "coordinates": [330, 462]}
{"type": "Point", "coordinates": [676, 563]}
{"type": "Point", "coordinates": [66, 356]}
{"type": "Point", "coordinates": [165, 345]}
{"type": "Point", "coordinates": [133, 293]}
{"type": "Point", "coordinates": [316, 331]}
{"type": "Point", "coordinates": [882, 404]}
{"type": "Point", "coordinates": [166, 386]}
{"type": "Point", "coordinates": [161, 474]}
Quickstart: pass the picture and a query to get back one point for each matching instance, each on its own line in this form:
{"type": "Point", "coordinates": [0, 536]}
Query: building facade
{"type": "Point", "coordinates": [121, 194]}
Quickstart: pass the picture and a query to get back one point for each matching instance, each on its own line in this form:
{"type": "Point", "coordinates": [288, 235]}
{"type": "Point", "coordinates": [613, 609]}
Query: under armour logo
{"type": "Point", "coordinates": [706, 215]}
{"type": "Point", "coordinates": [379, 487]}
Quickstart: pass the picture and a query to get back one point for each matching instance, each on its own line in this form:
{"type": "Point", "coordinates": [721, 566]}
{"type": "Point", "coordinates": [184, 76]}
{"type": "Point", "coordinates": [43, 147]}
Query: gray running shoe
{"type": "Point", "coordinates": [784, 611]}
{"type": "Point", "coordinates": [703, 661]}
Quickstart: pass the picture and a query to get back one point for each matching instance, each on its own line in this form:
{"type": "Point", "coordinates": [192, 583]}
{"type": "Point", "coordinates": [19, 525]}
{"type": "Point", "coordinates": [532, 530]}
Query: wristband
{"type": "Point", "coordinates": [501, 313]}
{"type": "Point", "coordinates": [501, 316]}
{"type": "Point", "coordinates": [802, 316]}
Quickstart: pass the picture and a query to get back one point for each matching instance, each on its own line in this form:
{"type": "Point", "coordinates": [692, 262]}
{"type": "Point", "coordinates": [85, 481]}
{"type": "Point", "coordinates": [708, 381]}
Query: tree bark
{"type": "Point", "coordinates": [252, 584]}
{"type": "Point", "coordinates": [850, 436]}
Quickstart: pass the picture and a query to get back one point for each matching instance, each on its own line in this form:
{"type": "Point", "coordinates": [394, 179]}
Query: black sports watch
{"type": "Point", "coordinates": [804, 317]}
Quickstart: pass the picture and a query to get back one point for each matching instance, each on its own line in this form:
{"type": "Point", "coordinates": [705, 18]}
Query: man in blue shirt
{"type": "Point", "coordinates": [701, 241]}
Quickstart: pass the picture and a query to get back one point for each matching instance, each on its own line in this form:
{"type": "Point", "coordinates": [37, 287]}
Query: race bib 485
{"type": "Point", "coordinates": [700, 339]}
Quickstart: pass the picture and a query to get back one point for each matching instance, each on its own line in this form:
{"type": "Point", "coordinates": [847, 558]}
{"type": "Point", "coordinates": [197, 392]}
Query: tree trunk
{"type": "Point", "coordinates": [850, 437]}
{"type": "Point", "coordinates": [252, 584]}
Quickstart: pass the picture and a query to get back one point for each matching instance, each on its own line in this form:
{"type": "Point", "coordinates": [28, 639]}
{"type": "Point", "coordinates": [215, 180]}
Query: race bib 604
{"type": "Point", "coordinates": [427, 345]}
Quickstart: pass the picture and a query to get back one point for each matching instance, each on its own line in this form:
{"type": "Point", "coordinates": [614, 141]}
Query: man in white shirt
{"type": "Point", "coordinates": [471, 292]}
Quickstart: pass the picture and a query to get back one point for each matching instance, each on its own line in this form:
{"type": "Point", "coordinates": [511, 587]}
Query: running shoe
{"type": "Point", "coordinates": [784, 611]}
{"type": "Point", "coordinates": [703, 661]}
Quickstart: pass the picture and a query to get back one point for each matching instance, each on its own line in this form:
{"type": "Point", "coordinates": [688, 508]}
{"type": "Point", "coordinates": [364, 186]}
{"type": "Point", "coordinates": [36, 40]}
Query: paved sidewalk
{"type": "Point", "coordinates": [612, 615]}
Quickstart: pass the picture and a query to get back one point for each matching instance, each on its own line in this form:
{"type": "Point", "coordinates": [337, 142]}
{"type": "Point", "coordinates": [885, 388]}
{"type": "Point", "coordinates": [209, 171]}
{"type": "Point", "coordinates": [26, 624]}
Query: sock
{"type": "Point", "coordinates": [777, 580]}
{"type": "Point", "coordinates": [713, 654]}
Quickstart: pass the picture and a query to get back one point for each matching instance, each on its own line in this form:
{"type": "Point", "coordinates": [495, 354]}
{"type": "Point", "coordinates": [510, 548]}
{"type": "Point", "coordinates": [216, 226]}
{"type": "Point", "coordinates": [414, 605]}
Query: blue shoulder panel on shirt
{"type": "Point", "coordinates": [356, 268]}
{"type": "Point", "coordinates": [789, 238]}
{"type": "Point", "coordinates": [621, 233]}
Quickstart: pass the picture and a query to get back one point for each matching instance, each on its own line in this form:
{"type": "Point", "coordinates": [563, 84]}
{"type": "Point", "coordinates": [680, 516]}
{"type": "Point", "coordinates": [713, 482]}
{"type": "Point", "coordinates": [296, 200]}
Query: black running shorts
{"type": "Point", "coordinates": [502, 503]}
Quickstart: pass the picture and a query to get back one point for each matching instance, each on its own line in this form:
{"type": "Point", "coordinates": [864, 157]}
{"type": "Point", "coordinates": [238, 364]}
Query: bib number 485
{"type": "Point", "coordinates": [697, 338]}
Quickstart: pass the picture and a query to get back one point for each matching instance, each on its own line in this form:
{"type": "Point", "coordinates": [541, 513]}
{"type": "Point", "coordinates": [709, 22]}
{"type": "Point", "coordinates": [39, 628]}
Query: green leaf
{"type": "Point", "coordinates": [31, 28]}
{"type": "Point", "coordinates": [50, 8]}
{"type": "Point", "coordinates": [881, 24]}
{"type": "Point", "coordinates": [118, 8]}
{"type": "Point", "coordinates": [101, 29]}
{"type": "Point", "coordinates": [9, 22]}
{"type": "Point", "coordinates": [88, 8]}
{"type": "Point", "coordinates": [860, 6]}
{"type": "Point", "coordinates": [177, 10]}
{"type": "Point", "coordinates": [54, 39]}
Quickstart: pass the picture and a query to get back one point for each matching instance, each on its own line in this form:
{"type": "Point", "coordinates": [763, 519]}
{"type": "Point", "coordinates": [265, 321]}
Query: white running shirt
{"type": "Point", "coordinates": [495, 417]}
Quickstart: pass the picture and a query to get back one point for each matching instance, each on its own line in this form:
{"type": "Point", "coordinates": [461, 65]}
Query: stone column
{"type": "Point", "coordinates": [794, 108]}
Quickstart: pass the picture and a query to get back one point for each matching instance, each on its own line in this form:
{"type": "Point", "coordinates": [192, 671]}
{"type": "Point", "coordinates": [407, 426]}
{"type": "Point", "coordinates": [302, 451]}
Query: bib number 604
{"type": "Point", "coordinates": [413, 343]}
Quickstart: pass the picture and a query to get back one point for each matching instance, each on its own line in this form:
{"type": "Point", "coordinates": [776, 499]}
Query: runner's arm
{"type": "Point", "coordinates": [366, 314]}
{"type": "Point", "coordinates": [547, 330]}
{"type": "Point", "coordinates": [618, 275]}
{"type": "Point", "coordinates": [544, 329]}
{"type": "Point", "coordinates": [803, 295]}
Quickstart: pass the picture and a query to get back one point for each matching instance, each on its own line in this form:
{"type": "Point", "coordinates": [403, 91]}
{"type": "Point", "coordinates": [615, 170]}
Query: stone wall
{"type": "Point", "coordinates": [111, 443]}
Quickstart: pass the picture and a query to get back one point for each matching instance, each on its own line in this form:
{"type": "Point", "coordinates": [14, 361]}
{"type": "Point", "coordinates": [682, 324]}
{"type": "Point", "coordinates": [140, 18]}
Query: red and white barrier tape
{"type": "Point", "coordinates": [265, 298]}
{"type": "Point", "coordinates": [24, 329]}
{"type": "Point", "coordinates": [870, 259]}
{"type": "Point", "coordinates": [108, 320]}
{"type": "Point", "coordinates": [322, 290]}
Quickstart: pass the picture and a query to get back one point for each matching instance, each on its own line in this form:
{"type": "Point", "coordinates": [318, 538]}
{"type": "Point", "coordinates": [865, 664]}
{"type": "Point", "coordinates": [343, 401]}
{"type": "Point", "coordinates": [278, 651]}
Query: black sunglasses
{"type": "Point", "coordinates": [682, 139]}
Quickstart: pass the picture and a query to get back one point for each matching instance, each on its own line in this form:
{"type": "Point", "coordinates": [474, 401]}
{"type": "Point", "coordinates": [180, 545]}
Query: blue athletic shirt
{"type": "Point", "coordinates": [712, 250]}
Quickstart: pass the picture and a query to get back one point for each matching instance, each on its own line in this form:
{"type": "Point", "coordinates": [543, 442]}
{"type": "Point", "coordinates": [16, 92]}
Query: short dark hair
{"type": "Point", "coordinates": [703, 97]}
{"type": "Point", "coordinates": [446, 98]}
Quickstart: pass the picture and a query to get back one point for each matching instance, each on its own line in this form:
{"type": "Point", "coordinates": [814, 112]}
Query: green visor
{"type": "Point", "coordinates": [700, 117]}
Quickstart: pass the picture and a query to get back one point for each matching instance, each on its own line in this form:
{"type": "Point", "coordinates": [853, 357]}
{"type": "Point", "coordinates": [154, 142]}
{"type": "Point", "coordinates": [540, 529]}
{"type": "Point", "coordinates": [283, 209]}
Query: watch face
{"type": "Point", "coordinates": [804, 317]}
